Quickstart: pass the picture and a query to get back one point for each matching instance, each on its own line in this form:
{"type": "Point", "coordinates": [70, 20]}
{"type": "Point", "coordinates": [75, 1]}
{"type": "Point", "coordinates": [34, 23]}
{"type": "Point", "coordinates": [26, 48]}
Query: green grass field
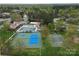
{"type": "Point", "coordinates": [46, 50]}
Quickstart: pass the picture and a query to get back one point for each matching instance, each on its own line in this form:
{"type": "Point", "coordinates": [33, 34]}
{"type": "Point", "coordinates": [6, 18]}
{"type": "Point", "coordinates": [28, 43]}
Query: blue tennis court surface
{"type": "Point", "coordinates": [27, 40]}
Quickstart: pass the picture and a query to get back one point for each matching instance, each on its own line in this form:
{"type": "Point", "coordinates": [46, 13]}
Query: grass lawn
{"type": "Point", "coordinates": [46, 50]}
{"type": "Point", "coordinates": [4, 35]}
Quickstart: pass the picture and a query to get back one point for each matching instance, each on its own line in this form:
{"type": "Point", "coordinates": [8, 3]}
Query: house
{"type": "Point", "coordinates": [37, 25]}
{"type": "Point", "coordinates": [16, 24]}
{"type": "Point", "coordinates": [5, 15]}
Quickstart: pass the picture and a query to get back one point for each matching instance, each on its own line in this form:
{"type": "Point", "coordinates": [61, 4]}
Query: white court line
{"type": "Point", "coordinates": [9, 38]}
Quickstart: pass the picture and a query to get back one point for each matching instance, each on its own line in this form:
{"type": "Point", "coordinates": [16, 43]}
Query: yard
{"type": "Point", "coordinates": [46, 49]}
{"type": "Point", "coordinates": [4, 36]}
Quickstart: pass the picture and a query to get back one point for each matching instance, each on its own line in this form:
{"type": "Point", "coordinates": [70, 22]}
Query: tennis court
{"type": "Point", "coordinates": [27, 40]}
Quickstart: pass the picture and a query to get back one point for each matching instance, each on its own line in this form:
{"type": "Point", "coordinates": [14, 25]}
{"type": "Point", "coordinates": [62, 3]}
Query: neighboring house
{"type": "Point", "coordinates": [37, 25]}
{"type": "Point", "coordinates": [27, 28]}
{"type": "Point", "coordinates": [5, 15]}
{"type": "Point", "coordinates": [15, 24]}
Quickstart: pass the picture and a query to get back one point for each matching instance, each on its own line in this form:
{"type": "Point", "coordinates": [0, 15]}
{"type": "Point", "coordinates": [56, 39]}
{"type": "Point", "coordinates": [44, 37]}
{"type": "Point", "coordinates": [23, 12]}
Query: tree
{"type": "Point", "coordinates": [6, 25]}
{"type": "Point", "coordinates": [16, 17]}
{"type": "Point", "coordinates": [60, 25]}
{"type": "Point", "coordinates": [51, 27]}
{"type": "Point", "coordinates": [71, 29]}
